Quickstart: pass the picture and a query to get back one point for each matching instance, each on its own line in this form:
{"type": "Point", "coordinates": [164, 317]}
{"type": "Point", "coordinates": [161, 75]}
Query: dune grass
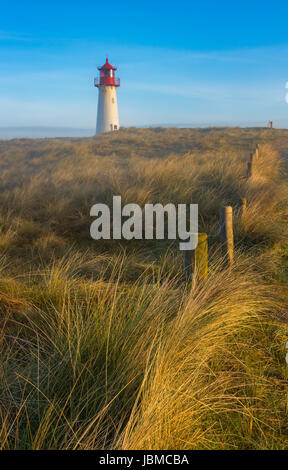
{"type": "Point", "coordinates": [102, 343]}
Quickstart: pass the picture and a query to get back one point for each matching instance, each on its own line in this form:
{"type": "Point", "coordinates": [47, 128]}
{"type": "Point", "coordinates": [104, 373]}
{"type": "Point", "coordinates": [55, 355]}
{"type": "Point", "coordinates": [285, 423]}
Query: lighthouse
{"type": "Point", "coordinates": [107, 113]}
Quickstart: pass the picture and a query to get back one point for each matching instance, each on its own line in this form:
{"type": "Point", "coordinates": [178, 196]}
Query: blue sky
{"type": "Point", "coordinates": [179, 62]}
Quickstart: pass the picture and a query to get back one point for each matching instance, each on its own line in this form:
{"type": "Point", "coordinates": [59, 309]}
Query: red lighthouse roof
{"type": "Point", "coordinates": [107, 66]}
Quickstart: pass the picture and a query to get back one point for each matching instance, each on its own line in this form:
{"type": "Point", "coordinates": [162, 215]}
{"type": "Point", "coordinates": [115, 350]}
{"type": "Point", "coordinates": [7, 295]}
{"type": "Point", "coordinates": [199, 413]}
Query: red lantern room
{"type": "Point", "coordinates": [107, 76]}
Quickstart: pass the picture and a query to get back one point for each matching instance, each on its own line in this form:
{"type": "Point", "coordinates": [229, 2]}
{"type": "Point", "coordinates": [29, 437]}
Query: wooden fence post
{"type": "Point", "coordinates": [196, 261]}
{"type": "Point", "coordinates": [226, 233]}
{"type": "Point", "coordinates": [257, 151]}
{"type": "Point", "coordinates": [243, 208]}
{"type": "Point", "coordinates": [250, 166]}
{"type": "Point", "coordinates": [200, 266]}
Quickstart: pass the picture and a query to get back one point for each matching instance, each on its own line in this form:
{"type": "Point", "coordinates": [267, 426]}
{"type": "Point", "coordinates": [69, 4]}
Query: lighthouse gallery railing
{"type": "Point", "coordinates": [106, 81]}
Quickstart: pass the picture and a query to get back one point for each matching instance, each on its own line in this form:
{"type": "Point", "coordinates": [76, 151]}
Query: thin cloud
{"type": "Point", "coordinates": [218, 92]}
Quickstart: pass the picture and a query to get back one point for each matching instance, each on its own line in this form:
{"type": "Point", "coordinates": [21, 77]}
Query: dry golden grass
{"type": "Point", "coordinates": [102, 343]}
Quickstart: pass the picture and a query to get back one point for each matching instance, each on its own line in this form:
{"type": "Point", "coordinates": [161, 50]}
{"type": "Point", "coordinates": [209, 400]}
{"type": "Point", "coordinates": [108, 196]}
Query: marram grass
{"type": "Point", "coordinates": [103, 345]}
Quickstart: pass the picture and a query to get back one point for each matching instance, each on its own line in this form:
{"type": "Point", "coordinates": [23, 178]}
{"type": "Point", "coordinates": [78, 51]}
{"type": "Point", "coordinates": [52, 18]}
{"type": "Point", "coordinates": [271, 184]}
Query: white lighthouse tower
{"type": "Point", "coordinates": [107, 113]}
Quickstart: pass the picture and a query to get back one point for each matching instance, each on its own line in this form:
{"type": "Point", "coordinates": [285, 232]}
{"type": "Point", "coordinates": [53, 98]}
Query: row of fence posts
{"type": "Point", "coordinates": [251, 163]}
{"type": "Point", "coordinates": [196, 261]}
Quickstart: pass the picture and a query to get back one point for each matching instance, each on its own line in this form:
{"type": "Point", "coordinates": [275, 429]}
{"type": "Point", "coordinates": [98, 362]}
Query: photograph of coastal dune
{"type": "Point", "coordinates": [143, 229]}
